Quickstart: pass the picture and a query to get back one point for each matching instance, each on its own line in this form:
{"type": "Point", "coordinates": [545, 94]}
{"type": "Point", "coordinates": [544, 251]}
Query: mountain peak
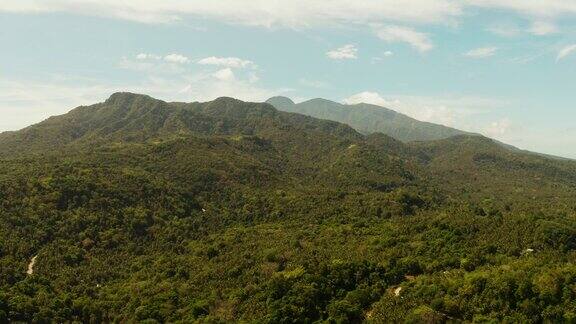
{"type": "Point", "coordinates": [127, 98]}
{"type": "Point", "coordinates": [225, 100]}
{"type": "Point", "coordinates": [280, 101]}
{"type": "Point", "coordinates": [322, 101]}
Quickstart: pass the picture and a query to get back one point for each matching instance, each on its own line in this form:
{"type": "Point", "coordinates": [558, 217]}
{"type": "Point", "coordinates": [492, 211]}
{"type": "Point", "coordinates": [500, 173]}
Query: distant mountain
{"type": "Point", "coordinates": [369, 119]}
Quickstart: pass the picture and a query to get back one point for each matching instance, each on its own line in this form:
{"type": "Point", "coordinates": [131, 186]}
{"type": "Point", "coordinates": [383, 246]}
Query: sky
{"type": "Point", "coordinates": [502, 68]}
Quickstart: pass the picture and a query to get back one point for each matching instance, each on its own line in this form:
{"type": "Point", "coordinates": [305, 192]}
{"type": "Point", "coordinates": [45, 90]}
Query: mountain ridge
{"type": "Point", "coordinates": [368, 118]}
{"type": "Point", "coordinates": [141, 116]}
{"type": "Point", "coordinates": [136, 118]}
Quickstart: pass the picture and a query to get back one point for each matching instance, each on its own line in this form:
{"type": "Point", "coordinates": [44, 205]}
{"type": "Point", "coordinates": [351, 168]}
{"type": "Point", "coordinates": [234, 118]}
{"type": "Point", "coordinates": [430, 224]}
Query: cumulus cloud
{"type": "Point", "coordinates": [566, 51]}
{"type": "Point", "coordinates": [393, 33]}
{"type": "Point", "coordinates": [211, 85]}
{"type": "Point", "coordinates": [231, 62]}
{"type": "Point", "coordinates": [23, 102]}
{"type": "Point", "coordinates": [167, 77]}
{"type": "Point", "coordinates": [220, 77]}
{"type": "Point", "coordinates": [146, 56]}
{"type": "Point", "coordinates": [224, 75]}
{"type": "Point", "coordinates": [482, 52]}
{"type": "Point", "coordinates": [176, 58]}
{"type": "Point", "coordinates": [345, 52]}
{"type": "Point", "coordinates": [170, 58]}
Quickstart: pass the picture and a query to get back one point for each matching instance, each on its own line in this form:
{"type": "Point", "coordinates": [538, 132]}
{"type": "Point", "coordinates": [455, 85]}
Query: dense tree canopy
{"type": "Point", "coordinates": [141, 210]}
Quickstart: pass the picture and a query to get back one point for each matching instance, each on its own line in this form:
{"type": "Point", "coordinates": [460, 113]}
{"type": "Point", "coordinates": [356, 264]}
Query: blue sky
{"type": "Point", "coordinates": [506, 69]}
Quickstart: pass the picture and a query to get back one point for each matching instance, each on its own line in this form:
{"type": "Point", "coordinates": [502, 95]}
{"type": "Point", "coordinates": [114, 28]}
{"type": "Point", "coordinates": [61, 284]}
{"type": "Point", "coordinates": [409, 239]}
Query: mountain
{"type": "Point", "coordinates": [131, 117]}
{"type": "Point", "coordinates": [140, 210]}
{"type": "Point", "coordinates": [368, 119]}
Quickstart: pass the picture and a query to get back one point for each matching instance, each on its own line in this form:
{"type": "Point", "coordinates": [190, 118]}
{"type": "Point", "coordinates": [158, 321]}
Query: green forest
{"type": "Point", "coordinates": [140, 210]}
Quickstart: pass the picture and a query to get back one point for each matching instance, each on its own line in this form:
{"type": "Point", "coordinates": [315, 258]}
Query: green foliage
{"type": "Point", "coordinates": [226, 211]}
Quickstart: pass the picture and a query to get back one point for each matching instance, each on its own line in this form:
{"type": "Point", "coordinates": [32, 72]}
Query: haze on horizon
{"type": "Point", "coordinates": [501, 68]}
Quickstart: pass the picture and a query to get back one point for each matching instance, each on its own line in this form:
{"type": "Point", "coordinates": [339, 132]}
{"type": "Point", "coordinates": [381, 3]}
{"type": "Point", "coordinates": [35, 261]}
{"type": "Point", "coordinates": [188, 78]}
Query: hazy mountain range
{"type": "Point", "coordinates": [368, 118]}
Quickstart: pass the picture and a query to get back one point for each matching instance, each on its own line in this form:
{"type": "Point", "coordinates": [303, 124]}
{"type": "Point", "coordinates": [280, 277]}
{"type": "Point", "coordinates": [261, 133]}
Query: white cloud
{"type": "Point", "coordinates": [345, 52]}
{"type": "Point", "coordinates": [220, 77]}
{"type": "Point", "coordinates": [224, 75]}
{"type": "Point", "coordinates": [566, 51]}
{"type": "Point", "coordinates": [231, 62]}
{"type": "Point", "coordinates": [295, 14]}
{"type": "Point", "coordinates": [392, 33]}
{"type": "Point", "coordinates": [209, 86]}
{"type": "Point", "coordinates": [542, 28]}
{"type": "Point", "coordinates": [279, 13]}
{"type": "Point", "coordinates": [368, 97]}
{"type": "Point", "coordinates": [482, 52]}
{"type": "Point", "coordinates": [176, 58]}
{"type": "Point", "coordinates": [25, 102]}
{"type": "Point", "coordinates": [146, 56]}
{"type": "Point", "coordinates": [145, 62]}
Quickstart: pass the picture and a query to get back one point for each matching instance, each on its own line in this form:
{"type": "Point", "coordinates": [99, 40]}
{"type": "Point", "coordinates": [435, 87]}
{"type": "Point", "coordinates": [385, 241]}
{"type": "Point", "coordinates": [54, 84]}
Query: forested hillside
{"type": "Point", "coordinates": [136, 209]}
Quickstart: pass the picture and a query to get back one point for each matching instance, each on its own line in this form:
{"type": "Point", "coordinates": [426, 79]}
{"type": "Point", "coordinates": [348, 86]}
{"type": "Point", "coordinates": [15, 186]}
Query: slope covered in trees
{"type": "Point", "coordinates": [142, 210]}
